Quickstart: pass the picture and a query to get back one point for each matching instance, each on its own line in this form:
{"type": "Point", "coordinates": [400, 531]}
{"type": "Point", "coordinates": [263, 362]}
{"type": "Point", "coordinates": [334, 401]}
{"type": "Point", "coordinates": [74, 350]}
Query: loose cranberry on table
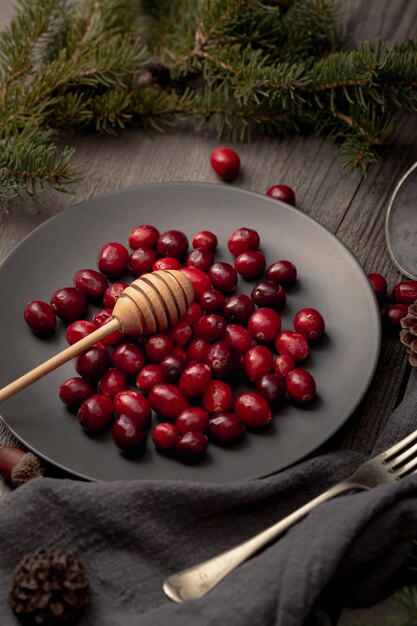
{"type": "Point", "coordinates": [253, 410]}
{"type": "Point", "coordinates": [112, 259]}
{"type": "Point", "coordinates": [250, 265]}
{"type": "Point", "coordinates": [112, 293]}
{"type": "Point", "coordinates": [129, 436]}
{"type": "Point", "coordinates": [238, 337]}
{"type": "Point", "coordinates": [283, 364]}
{"type": "Point", "coordinates": [134, 405]}
{"type": "Point", "coordinates": [283, 193]}
{"type": "Point", "coordinates": [69, 304]}
{"type": "Point", "coordinates": [102, 317]}
{"type": "Point", "coordinates": [193, 313]}
{"type": "Point", "coordinates": [243, 240]}
{"type": "Point", "coordinates": [269, 294]}
{"type": "Point", "coordinates": [226, 429]}
{"type": "Point", "coordinates": [199, 280]}
{"type": "Point", "coordinates": [158, 346]}
{"type": "Point", "coordinates": [167, 400]}
{"type": "Point", "coordinates": [394, 313]}
{"type": "Point", "coordinates": [96, 413]}
{"type": "Point", "coordinates": [210, 327]}
{"type": "Point", "coordinates": [205, 239]}
{"type": "Point", "coordinates": [300, 386]}
{"type": "Point", "coordinates": [191, 447]}
{"type": "Point", "coordinates": [166, 263]}
{"type": "Point", "coordinates": [223, 359]}
{"type": "Point", "coordinates": [75, 390]}
{"type": "Point", "coordinates": [172, 367]}
{"type": "Point", "coordinates": [223, 276]}
{"type": "Point", "coordinates": [141, 261]}
{"type": "Point", "coordinates": [201, 258]}
{"type": "Point", "coordinates": [238, 308]}
{"type": "Point", "coordinates": [379, 285]}
{"type": "Point", "coordinates": [40, 317]}
{"type": "Point", "coordinates": [181, 333]}
{"type": "Point", "coordinates": [197, 350]}
{"type": "Point", "coordinates": [129, 358]}
{"type": "Point", "coordinates": [213, 301]}
{"type": "Point", "coordinates": [405, 292]}
{"type": "Point", "coordinates": [91, 282]}
{"type": "Point", "coordinates": [165, 437]}
{"type": "Point", "coordinates": [218, 397]}
{"type": "Point", "coordinates": [78, 330]}
{"type": "Point", "coordinates": [93, 362]}
{"type": "Point", "coordinates": [192, 419]}
{"type": "Point", "coordinates": [194, 380]}
{"type": "Point", "coordinates": [173, 243]}
{"type": "Point", "coordinates": [282, 272]}
{"type": "Point", "coordinates": [271, 387]}
{"type": "Point", "coordinates": [112, 381]}
{"type": "Point", "coordinates": [257, 362]}
{"type": "Point", "coordinates": [309, 323]}
{"type": "Point", "coordinates": [149, 376]}
{"type": "Point", "coordinates": [264, 324]}
{"type": "Point", "coordinates": [225, 162]}
{"type": "Point", "coordinates": [292, 343]}
{"type": "Point", "coordinates": [143, 236]}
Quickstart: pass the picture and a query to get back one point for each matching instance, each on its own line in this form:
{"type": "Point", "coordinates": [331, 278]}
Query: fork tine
{"type": "Point", "coordinates": [398, 460]}
{"type": "Point", "coordinates": [406, 469]}
{"type": "Point", "coordinates": [388, 454]}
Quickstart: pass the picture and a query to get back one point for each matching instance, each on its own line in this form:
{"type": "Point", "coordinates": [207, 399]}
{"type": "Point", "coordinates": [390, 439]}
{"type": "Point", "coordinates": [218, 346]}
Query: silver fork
{"type": "Point", "coordinates": [391, 465]}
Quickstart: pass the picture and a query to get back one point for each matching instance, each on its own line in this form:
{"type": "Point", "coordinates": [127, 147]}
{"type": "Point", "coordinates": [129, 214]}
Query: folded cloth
{"type": "Point", "coordinates": [129, 536]}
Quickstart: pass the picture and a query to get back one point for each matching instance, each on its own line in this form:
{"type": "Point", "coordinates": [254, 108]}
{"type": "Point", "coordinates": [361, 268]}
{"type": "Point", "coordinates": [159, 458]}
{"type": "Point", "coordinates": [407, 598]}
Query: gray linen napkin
{"type": "Point", "coordinates": [130, 535]}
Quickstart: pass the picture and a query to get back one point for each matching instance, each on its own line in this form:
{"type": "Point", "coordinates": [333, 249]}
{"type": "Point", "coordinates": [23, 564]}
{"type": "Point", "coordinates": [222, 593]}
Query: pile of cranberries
{"type": "Point", "coordinates": [187, 374]}
{"type": "Point", "coordinates": [403, 294]}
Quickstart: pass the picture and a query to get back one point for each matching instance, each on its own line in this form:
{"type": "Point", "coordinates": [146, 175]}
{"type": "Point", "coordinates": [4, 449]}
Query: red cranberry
{"type": "Point", "coordinates": [168, 401]}
{"type": "Point", "coordinates": [102, 317]}
{"type": "Point", "coordinates": [282, 272]}
{"type": "Point", "coordinates": [205, 239]}
{"type": "Point", "coordinates": [165, 437]}
{"type": "Point", "coordinates": [194, 380]}
{"type": "Point", "coordinates": [405, 292]}
{"type": "Point", "coordinates": [112, 381]}
{"type": "Point", "coordinates": [238, 309]}
{"type": "Point", "coordinates": [253, 410]}
{"type": "Point", "coordinates": [113, 259]}
{"type": "Point", "coordinates": [283, 193]}
{"type": "Point", "coordinates": [166, 263]}
{"type": "Point", "coordinates": [91, 282]}
{"type": "Point", "coordinates": [149, 376]}
{"type": "Point", "coordinates": [243, 240]}
{"type": "Point", "coordinates": [113, 293]}
{"type": "Point", "coordinates": [300, 385]}
{"type": "Point", "coordinates": [180, 352]}
{"type": "Point", "coordinates": [310, 323]}
{"type": "Point", "coordinates": [141, 260]}
{"type": "Point", "coordinates": [134, 405]}
{"type": "Point", "coordinates": [223, 276]}
{"type": "Point", "coordinates": [129, 358]}
{"type": "Point", "coordinates": [201, 258]}
{"type": "Point", "coordinates": [199, 280]}
{"type": "Point", "coordinates": [264, 325]}
{"type": "Point", "coordinates": [226, 429]}
{"type": "Point", "coordinates": [210, 327]}
{"type": "Point", "coordinates": [225, 162]}
{"type": "Point", "coordinates": [172, 243]}
{"type": "Point", "coordinates": [129, 436]}
{"type": "Point", "coordinates": [69, 304]}
{"type": "Point", "coordinates": [93, 362]}
{"type": "Point", "coordinates": [78, 330]}
{"type": "Point", "coordinates": [197, 350]}
{"type": "Point", "coordinates": [192, 447]}
{"type": "Point", "coordinates": [181, 333]}
{"type": "Point", "coordinates": [172, 367]}
{"type": "Point", "coordinates": [250, 264]}
{"type": "Point", "coordinates": [213, 301]}
{"type": "Point", "coordinates": [40, 317]}
{"type": "Point", "coordinates": [379, 285]}
{"type": "Point", "coordinates": [238, 337]}
{"type": "Point", "coordinates": [268, 293]}
{"type": "Point", "coordinates": [394, 314]}
{"type": "Point", "coordinates": [223, 359]}
{"type": "Point", "coordinates": [257, 362]}
{"type": "Point", "coordinates": [192, 419]}
{"type": "Point", "coordinates": [271, 387]}
{"type": "Point", "coordinates": [143, 236]}
{"type": "Point", "coordinates": [74, 391]}
{"type": "Point", "coordinates": [158, 347]}
{"type": "Point", "coordinates": [96, 413]}
{"type": "Point", "coordinates": [218, 397]}
{"type": "Point", "coordinates": [193, 313]}
{"type": "Point", "coordinates": [292, 343]}
{"type": "Point", "coordinates": [283, 364]}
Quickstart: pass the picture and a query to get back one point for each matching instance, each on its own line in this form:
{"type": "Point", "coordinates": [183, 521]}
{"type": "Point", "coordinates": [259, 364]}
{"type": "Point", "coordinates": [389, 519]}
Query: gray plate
{"type": "Point", "coordinates": [330, 279]}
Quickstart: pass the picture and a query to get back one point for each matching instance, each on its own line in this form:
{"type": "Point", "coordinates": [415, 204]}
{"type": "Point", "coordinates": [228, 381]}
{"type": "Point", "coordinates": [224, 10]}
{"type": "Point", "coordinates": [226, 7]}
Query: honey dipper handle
{"type": "Point", "coordinates": [57, 360]}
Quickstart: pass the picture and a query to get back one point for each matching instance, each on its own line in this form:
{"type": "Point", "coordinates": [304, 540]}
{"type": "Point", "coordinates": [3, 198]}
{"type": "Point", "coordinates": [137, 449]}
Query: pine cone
{"type": "Point", "coordinates": [408, 336]}
{"type": "Point", "coordinates": [49, 587]}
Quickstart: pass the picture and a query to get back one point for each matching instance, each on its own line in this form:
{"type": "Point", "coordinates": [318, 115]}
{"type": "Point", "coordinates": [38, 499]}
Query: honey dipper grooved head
{"type": "Point", "coordinates": [153, 302]}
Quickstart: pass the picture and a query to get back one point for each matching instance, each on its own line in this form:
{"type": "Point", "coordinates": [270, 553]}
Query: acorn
{"type": "Point", "coordinates": [18, 466]}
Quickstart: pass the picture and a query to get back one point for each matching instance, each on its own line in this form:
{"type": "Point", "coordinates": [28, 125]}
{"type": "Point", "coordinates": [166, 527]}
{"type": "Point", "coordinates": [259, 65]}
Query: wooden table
{"type": "Point", "coordinates": [349, 205]}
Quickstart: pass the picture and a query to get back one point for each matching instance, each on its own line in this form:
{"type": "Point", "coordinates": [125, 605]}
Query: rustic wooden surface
{"type": "Point", "coordinates": [352, 207]}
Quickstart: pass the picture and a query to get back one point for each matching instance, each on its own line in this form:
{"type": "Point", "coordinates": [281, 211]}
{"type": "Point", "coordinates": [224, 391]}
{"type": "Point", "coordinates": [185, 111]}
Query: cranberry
{"type": "Point", "coordinates": [149, 376]}
{"type": "Point", "coordinates": [238, 337]}
{"type": "Point", "coordinates": [165, 437]}
{"type": "Point", "coordinates": [283, 364]}
{"type": "Point", "coordinates": [257, 362]}
{"type": "Point", "coordinates": [129, 358]}
{"type": "Point", "coordinates": [243, 240]}
{"type": "Point", "coordinates": [192, 447]}
{"type": "Point", "coordinates": [172, 367]}
{"type": "Point", "coordinates": [181, 333]}
{"type": "Point", "coordinates": [141, 260]}
{"type": "Point", "coordinates": [210, 327]}
{"type": "Point", "coordinates": [74, 391]}
{"type": "Point", "coordinates": [253, 410]}
{"type": "Point", "coordinates": [93, 362]}
{"type": "Point", "coordinates": [91, 282]}
{"type": "Point", "coordinates": [405, 292]}
{"type": "Point", "coordinates": [113, 293]}
{"type": "Point", "coordinates": [102, 317]}
{"type": "Point", "coordinates": [250, 265]}
{"type": "Point", "coordinates": [310, 323]}
{"type": "Point", "coordinates": [199, 280]}
{"type": "Point", "coordinates": [292, 343]}
{"type": "Point", "coordinates": [379, 285]}
{"type": "Point", "coordinates": [270, 294]}
{"type": "Point", "coordinates": [282, 272]}
{"type": "Point", "coordinates": [238, 308]}
{"type": "Point", "coordinates": [179, 352]}
{"type": "Point", "coordinates": [300, 385]}
{"type": "Point", "coordinates": [113, 259]}
{"type": "Point", "coordinates": [192, 419]}
{"type": "Point", "coordinates": [213, 301]}
{"type": "Point", "coordinates": [40, 317]}
{"type": "Point", "coordinates": [172, 243]}
{"type": "Point", "coordinates": [218, 397]}
{"type": "Point", "coordinates": [134, 405]}
{"type": "Point", "coordinates": [225, 162]}
{"type": "Point", "coordinates": [193, 313]}
{"type": "Point", "coordinates": [158, 347]}
{"type": "Point", "coordinates": [205, 239]}
{"type": "Point", "coordinates": [394, 314]}
{"type": "Point", "coordinates": [194, 380]}
{"type": "Point", "coordinates": [283, 193]}
{"type": "Point", "coordinates": [197, 350]}
{"type": "Point", "coordinates": [223, 276]}
{"type": "Point", "coordinates": [271, 387]}
{"type": "Point", "coordinates": [223, 359]}
{"type": "Point", "coordinates": [201, 258]}
{"type": "Point", "coordinates": [143, 236]}
{"type": "Point", "coordinates": [78, 330]}
{"type": "Point", "coordinates": [166, 263]}
{"type": "Point", "coordinates": [96, 413]}
{"type": "Point", "coordinates": [129, 436]}
{"type": "Point", "coordinates": [264, 325]}
{"type": "Point", "coordinates": [226, 429]}
{"type": "Point", "coordinates": [69, 304]}
{"type": "Point", "coordinates": [167, 400]}
{"type": "Point", "coordinates": [112, 381]}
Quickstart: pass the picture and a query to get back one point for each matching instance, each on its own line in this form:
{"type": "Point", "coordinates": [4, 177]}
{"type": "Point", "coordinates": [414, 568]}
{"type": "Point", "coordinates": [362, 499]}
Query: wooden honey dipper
{"type": "Point", "coordinates": [148, 305]}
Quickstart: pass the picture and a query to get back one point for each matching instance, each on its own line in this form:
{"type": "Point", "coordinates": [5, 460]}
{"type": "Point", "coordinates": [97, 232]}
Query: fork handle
{"type": "Point", "coordinates": [198, 580]}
